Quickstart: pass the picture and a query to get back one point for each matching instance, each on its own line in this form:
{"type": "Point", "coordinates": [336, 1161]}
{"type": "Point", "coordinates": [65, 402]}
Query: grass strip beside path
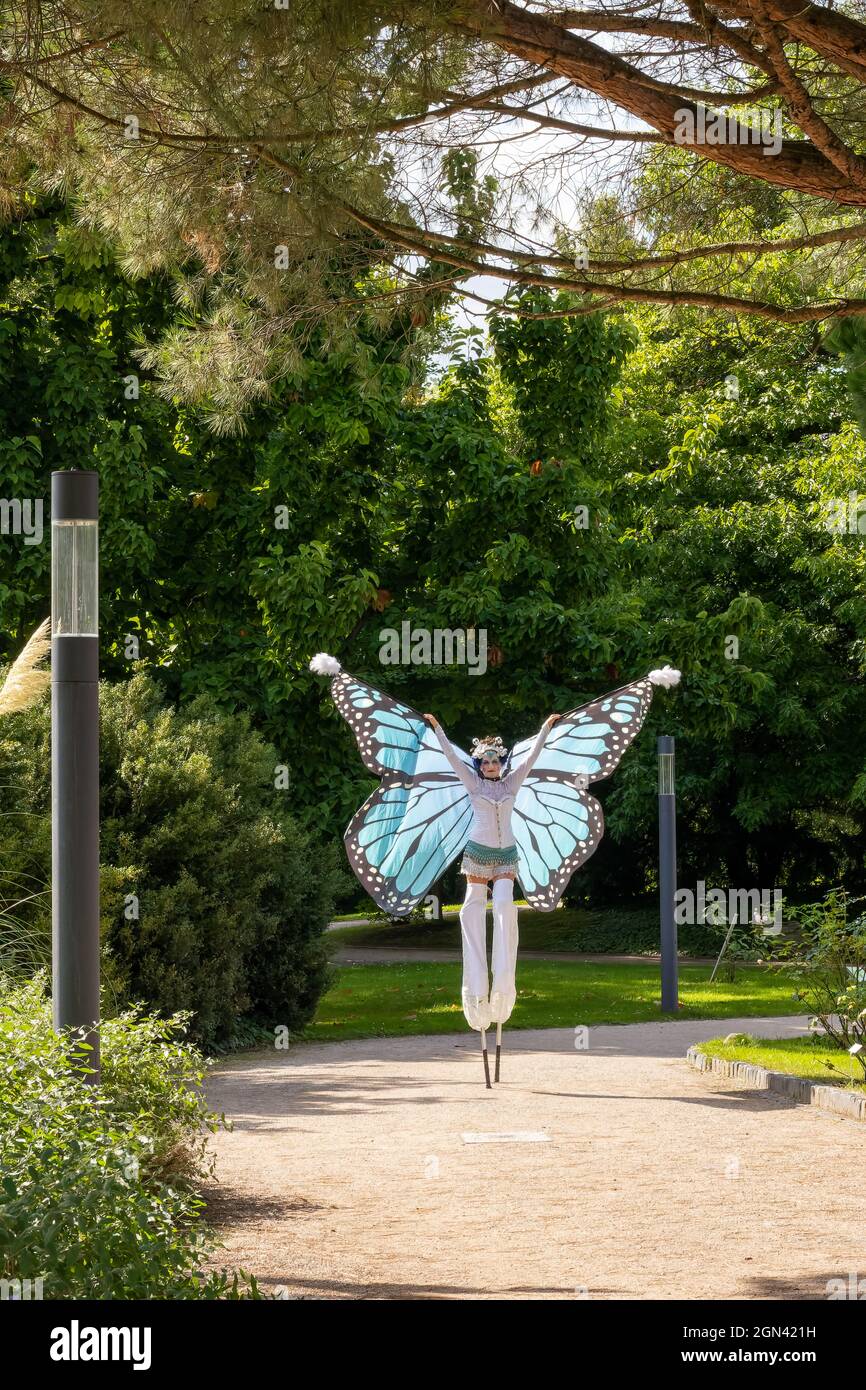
{"type": "Point", "coordinates": [805, 1057]}
{"type": "Point", "coordinates": [406, 999]}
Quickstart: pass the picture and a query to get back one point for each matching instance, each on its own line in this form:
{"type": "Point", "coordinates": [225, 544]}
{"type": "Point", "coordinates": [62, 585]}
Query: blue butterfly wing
{"type": "Point", "coordinates": [411, 828]}
{"type": "Point", "coordinates": [557, 826]}
{"type": "Point", "coordinates": [404, 837]}
{"type": "Point", "coordinates": [391, 737]}
{"type": "Point", "coordinates": [588, 742]}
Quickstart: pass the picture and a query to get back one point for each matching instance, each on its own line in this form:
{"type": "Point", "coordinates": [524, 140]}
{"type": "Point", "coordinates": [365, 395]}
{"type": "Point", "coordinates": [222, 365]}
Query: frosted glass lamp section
{"type": "Point", "coordinates": [666, 774]}
{"type": "Point", "coordinates": [75, 578]}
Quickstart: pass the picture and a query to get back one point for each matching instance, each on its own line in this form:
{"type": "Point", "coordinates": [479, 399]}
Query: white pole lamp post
{"type": "Point", "coordinates": [75, 756]}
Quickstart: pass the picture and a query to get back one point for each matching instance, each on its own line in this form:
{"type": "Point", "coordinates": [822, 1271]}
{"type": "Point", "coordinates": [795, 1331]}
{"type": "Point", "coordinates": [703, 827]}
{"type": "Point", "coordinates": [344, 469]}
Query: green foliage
{"type": "Point", "coordinates": [68, 320]}
{"type": "Point", "coordinates": [828, 961]}
{"type": "Point", "coordinates": [847, 337]}
{"type": "Point", "coordinates": [703, 456]}
{"type": "Point", "coordinates": [148, 1068]}
{"type": "Point", "coordinates": [231, 896]}
{"type": "Point", "coordinates": [262, 246]}
{"type": "Point", "coordinates": [729, 444]}
{"type": "Point", "coordinates": [458, 533]}
{"type": "Point", "coordinates": [285, 187]}
{"type": "Point", "coordinates": [473, 198]}
{"type": "Point", "coordinates": [95, 1195]}
{"type": "Point", "coordinates": [561, 371]}
{"type": "Point", "coordinates": [693, 201]}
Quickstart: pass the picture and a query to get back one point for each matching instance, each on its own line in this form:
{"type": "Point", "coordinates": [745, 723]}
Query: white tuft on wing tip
{"type": "Point", "coordinates": [324, 665]}
{"type": "Point", "coordinates": [666, 676]}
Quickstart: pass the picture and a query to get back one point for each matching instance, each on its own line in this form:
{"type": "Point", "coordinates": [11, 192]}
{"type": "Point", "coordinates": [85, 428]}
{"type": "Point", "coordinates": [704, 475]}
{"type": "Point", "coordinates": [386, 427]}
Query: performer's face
{"type": "Point", "coordinates": [491, 767]}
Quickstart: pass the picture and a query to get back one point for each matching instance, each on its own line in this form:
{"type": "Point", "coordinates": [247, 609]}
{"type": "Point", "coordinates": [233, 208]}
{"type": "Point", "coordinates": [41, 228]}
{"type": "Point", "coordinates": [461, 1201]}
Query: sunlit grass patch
{"type": "Point", "coordinates": [811, 1057]}
{"type": "Point", "coordinates": [409, 998]}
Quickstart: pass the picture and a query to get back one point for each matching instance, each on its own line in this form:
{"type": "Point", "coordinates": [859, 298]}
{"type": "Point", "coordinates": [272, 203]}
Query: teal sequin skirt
{"type": "Point", "coordinates": [486, 861]}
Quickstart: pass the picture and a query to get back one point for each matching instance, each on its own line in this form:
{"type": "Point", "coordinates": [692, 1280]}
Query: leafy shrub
{"type": "Point", "coordinates": [95, 1183]}
{"type": "Point", "coordinates": [631, 930]}
{"type": "Point", "coordinates": [148, 1071]}
{"type": "Point", "coordinates": [828, 961]}
{"type": "Point", "coordinates": [231, 896]}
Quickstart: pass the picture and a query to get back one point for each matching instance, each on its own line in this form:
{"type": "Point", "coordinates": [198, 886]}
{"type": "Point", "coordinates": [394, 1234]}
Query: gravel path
{"type": "Point", "coordinates": [348, 1174]}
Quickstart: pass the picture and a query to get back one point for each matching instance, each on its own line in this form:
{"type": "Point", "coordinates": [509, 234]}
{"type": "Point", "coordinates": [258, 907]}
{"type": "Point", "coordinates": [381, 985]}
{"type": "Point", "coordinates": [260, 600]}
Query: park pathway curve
{"type": "Point", "coordinates": [348, 1173]}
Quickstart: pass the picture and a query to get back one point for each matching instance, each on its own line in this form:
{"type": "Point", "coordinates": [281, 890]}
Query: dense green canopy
{"type": "Point", "coordinates": [597, 494]}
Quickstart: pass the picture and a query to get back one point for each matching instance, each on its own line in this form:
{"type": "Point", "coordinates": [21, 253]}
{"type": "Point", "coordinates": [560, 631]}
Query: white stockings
{"type": "Point", "coordinates": [504, 991]}
{"type": "Point", "coordinates": [473, 927]}
{"type": "Point", "coordinates": [481, 1010]}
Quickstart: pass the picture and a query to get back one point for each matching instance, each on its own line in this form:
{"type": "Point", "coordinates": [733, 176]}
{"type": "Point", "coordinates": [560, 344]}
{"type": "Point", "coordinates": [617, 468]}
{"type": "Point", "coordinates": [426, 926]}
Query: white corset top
{"type": "Point", "coordinates": [492, 800]}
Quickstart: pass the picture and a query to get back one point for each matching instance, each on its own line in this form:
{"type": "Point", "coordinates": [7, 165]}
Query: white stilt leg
{"type": "Point", "coordinates": [505, 937]}
{"type": "Point", "coordinates": [473, 929]}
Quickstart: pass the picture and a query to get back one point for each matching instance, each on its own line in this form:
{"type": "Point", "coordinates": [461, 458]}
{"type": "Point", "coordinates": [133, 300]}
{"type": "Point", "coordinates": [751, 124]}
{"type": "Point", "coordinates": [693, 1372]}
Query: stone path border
{"type": "Point", "coordinates": [797, 1088]}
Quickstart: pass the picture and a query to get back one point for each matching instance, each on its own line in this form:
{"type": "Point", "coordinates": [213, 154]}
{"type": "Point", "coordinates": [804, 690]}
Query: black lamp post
{"type": "Point", "coordinates": [668, 873]}
{"type": "Point", "coordinates": [75, 754]}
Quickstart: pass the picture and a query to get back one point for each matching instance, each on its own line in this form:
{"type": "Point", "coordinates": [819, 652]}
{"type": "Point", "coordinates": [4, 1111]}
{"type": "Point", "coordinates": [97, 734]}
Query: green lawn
{"type": "Point", "coordinates": [799, 1056]}
{"type": "Point", "coordinates": [373, 1001]}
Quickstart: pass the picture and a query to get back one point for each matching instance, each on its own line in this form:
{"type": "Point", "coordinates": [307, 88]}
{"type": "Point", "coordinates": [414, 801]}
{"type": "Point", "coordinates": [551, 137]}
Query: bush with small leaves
{"type": "Point", "coordinates": [214, 901]}
{"type": "Point", "coordinates": [96, 1194]}
{"type": "Point", "coordinates": [827, 959]}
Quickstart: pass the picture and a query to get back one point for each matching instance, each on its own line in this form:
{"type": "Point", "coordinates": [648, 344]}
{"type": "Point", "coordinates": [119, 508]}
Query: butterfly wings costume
{"type": "Point", "coordinates": [431, 800]}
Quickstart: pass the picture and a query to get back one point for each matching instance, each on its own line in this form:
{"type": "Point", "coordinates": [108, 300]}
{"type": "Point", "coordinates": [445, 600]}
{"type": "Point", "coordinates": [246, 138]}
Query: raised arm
{"type": "Point", "coordinates": [516, 778]}
{"type": "Point", "coordinates": [467, 776]}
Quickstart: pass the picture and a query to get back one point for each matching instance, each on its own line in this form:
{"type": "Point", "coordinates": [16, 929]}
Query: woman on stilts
{"type": "Point", "coordinates": [490, 856]}
{"type": "Point", "coordinates": [523, 813]}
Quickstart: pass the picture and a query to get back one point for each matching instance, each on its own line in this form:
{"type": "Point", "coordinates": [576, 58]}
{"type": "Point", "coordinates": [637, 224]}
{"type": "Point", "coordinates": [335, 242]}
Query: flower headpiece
{"type": "Point", "coordinates": [488, 747]}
